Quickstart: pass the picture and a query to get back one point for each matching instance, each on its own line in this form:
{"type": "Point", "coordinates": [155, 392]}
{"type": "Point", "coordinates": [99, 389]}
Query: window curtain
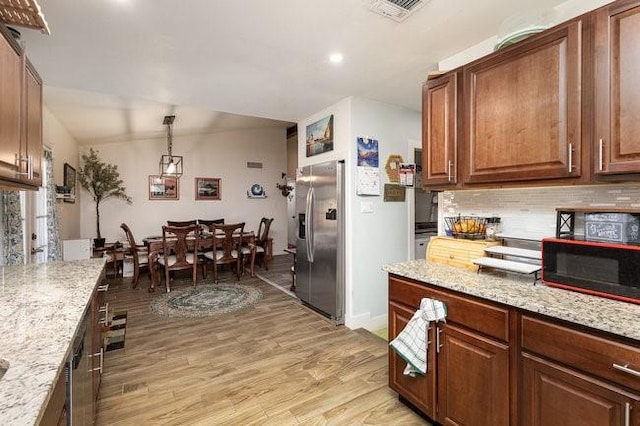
{"type": "Point", "coordinates": [54, 247]}
{"type": "Point", "coordinates": [13, 249]}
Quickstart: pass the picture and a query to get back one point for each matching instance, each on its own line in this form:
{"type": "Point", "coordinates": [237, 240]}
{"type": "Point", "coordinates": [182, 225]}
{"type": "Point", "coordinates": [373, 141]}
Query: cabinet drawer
{"type": "Point", "coordinates": [592, 354]}
{"type": "Point", "coordinates": [482, 317]}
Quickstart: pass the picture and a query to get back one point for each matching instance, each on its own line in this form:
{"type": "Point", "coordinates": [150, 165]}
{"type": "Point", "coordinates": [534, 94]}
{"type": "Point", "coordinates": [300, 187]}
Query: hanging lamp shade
{"type": "Point", "coordinates": [170, 165]}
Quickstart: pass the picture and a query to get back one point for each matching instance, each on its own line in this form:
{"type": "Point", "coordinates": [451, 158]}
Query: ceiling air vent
{"type": "Point", "coordinates": [398, 10]}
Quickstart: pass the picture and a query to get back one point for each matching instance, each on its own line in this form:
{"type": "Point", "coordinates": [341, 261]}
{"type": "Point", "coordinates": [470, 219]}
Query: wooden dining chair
{"type": "Point", "coordinates": [226, 247]}
{"type": "Point", "coordinates": [177, 254]}
{"type": "Point", "coordinates": [138, 253]}
{"type": "Point", "coordinates": [209, 222]}
{"type": "Point", "coordinates": [263, 247]}
{"type": "Point", "coordinates": [181, 222]}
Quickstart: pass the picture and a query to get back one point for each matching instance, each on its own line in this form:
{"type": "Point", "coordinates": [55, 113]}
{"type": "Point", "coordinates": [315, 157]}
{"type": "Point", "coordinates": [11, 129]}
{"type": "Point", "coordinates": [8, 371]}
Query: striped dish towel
{"type": "Point", "coordinates": [411, 343]}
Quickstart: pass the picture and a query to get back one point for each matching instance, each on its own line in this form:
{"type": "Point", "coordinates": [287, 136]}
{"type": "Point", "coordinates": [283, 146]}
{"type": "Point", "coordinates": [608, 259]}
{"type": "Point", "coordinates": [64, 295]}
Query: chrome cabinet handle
{"type": "Point", "coordinates": [104, 309]}
{"type": "Point", "coordinates": [625, 368]}
{"type": "Point", "coordinates": [101, 355]}
{"type": "Point", "coordinates": [449, 165]}
{"type": "Point", "coordinates": [104, 287]}
{"type": "Point", "coordinates": [438, 345]}
{"type": "Point", "coordinates": [29, 160]}
{"type": "Point", "coordinates": [570, 158]}
{"type": "Point", "coordinates": [627, 414]}
{"type": "Point", "coordinates": [600, 154]}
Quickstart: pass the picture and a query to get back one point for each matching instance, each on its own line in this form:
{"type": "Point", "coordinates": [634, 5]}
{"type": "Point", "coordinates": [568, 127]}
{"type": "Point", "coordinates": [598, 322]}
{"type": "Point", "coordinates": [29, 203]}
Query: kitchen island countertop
{"type": "Point", "coordinates": [619, 318]}
{"type": "Point", "coordinates": [41, 307]}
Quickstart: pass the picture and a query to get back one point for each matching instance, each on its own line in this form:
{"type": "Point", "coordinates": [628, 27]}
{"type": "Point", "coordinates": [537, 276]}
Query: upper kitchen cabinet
{"type": "Point", "coordinates": [440, 131]}
{"type": "Point", "coordinates": [523, 110]}
{"type": "Point", "coordinates": [10, 107]}
{"type": "Point", "coordinates": [617, 88]}
{"type": "Point", "coordinates": [32, 130]}
{"type": "Point", "coordinates": [20, 117]}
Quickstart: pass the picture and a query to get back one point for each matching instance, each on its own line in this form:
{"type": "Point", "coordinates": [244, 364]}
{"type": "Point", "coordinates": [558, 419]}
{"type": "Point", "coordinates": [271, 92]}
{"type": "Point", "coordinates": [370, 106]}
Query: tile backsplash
{"type": "Point", "coordinates": [531, 212]}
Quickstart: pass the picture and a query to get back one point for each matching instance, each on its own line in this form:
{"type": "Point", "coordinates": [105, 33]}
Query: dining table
{"type": "Point", "coordinates": [155, 247]}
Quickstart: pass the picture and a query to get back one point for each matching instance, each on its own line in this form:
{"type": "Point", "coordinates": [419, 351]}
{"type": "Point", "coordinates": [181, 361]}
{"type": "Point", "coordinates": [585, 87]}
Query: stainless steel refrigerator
{"type": "Point", "coordinates": [320, 238]}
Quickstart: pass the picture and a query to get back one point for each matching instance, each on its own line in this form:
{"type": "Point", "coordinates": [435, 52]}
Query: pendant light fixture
{"type": "Point", "coordinates": [170, 165]}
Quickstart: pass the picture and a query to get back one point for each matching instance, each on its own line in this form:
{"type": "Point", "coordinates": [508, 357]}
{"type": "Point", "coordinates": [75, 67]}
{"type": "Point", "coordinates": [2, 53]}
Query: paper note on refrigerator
{"type": "Point", "coordinates": [368, 181]}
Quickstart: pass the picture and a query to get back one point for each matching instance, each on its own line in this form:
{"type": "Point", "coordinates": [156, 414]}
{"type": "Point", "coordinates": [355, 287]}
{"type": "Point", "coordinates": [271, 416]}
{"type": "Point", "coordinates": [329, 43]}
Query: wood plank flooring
{"type": "Point", "coordinates": [276, 364]}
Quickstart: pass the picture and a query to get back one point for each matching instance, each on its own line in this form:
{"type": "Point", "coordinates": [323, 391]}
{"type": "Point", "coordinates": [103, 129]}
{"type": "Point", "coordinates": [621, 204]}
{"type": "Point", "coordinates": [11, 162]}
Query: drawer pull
{"type": "Point", "coordinates": [625, 368]}
{"type": "Point", "coordinates": [438, 345]}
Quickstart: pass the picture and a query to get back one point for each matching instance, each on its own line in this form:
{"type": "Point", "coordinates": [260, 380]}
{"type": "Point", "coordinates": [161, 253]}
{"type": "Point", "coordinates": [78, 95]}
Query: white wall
{"type": "Point", "coordinates": [65, 150]}
{"type": "Point", "coordinates": [219, 155]}
{"type": "Point", "coordinates": [563, 12]}
{"type": "Point", "coordinates": [372, 239]}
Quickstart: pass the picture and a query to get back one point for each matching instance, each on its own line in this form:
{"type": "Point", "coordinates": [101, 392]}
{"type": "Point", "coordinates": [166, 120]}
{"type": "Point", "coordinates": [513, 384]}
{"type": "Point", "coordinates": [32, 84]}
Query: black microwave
{"type": "Point", "coordinates": [603, 269]}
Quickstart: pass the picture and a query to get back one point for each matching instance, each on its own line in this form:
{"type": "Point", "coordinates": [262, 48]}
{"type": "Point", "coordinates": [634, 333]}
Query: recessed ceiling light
{"type": "Point", "coordinates": [336, 58]}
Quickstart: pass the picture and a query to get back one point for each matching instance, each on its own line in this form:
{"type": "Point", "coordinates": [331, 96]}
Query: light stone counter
{"type": "Point", "coordinates": [41, 307]}
{"type": "Point", "coordinates": [620, 318]}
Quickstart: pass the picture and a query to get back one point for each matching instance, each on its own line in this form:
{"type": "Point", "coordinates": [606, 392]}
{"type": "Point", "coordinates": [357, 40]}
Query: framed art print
{"type": "Point", "coordinates": [208, 188]}
{"type": "Point", "coordinates": [320, 136]}
{"type": "Point", "coordinates": [164, 188]}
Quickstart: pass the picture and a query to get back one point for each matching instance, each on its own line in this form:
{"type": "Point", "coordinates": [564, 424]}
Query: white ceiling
{"type": "Point", "coordinates": [113, 68]}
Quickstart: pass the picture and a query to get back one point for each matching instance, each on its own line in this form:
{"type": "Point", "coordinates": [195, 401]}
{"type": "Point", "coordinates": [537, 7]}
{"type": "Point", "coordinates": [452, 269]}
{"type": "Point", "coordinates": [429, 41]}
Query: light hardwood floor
{"type": "Point", "coordinates": [276, 364]}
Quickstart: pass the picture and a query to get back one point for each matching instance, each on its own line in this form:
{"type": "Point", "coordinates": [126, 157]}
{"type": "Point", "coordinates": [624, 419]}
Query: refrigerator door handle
{"type": "Point", "coordinates": [308, 223]}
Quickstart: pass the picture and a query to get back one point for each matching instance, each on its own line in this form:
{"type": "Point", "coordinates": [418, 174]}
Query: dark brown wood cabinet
{"type": "Point", "coordinates": [492, 364]}
{"type": "Point", "coordinates": [523, 110]}
{"type": "Point", "coordinates": [440, 105]}
{"type": "Point", "coordinates": [32, 132]}
{"type": "Point", "coordinates": [464, 358]}
{"type": "Point", "coordinates": [475, 366]}
{"type": "Point", "coordinates": [617, 89]}
{"type": "Point", "coordinates": [20, 117]}
{"type": "Point", "coordinates": [99, 319]}
{"type": "Point", "coordinates": [419, 390]}
{"type": "Point", "coordinates": [569, 377]}
{"type": "Point", "coordinates": [556, 395]}
{"type": "Point", "coordinates": [10, 106]}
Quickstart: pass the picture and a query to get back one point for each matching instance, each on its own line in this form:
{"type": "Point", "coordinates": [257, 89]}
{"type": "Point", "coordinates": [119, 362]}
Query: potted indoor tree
{"type": "Point", "coordinates": [102, 181]}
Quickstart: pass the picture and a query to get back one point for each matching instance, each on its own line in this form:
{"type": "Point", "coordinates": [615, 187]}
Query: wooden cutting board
{"type": "Point", "coordinates": [457, 252]}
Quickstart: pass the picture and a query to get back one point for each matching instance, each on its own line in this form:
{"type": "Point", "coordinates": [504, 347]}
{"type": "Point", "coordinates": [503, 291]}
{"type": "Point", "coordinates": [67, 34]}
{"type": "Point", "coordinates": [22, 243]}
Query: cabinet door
{"type": "Point", "coordinates": [99, 317]}
{"type": "Point", "coordinates": [522, 118]}
{"type": "Point", "coordinates": [419, 390]}
{"type": "Point", "coordinates": [10, 104]}
{"type": "Point", "coordinates": [32, 140]}
{"type": "Point", "coordinates": [557, 396]}
{"type": "Point", "coordinates": [473, 379]}
{"type": "Point", "coordinates": [439, 130]}
{"type": "Point", "coordinates": [617, 91]}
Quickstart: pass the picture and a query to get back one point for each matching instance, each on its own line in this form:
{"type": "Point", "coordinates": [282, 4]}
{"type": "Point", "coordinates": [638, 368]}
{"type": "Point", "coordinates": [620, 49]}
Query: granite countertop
{"type": "Point", "coordinates": [41, 307]}
{"type": "Point", "coordinates": [620, 318]}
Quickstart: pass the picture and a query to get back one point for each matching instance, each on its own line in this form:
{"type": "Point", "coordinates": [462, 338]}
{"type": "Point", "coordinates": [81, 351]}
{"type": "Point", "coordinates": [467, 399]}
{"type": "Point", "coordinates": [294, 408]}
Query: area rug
{"type": "Point", "coordinates": [114, 336]}
{"type": "Point", "coordinates": [383, 333]}
{"type": "Point", "coordinates": [205, 300]}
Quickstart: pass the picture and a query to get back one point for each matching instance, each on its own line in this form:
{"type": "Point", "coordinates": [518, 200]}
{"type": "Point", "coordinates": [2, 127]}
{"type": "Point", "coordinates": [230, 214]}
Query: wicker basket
{"type": "Point", "coordinates": [469, 227]}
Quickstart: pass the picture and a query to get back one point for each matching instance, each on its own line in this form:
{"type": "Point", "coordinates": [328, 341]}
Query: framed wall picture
{"type": "Point", "coordinates": [320, 136]}
{"type": "Point", "coordinates": [164, 188]}
{"type": "Point", "coordinates": [69, 183]}
{"type": "Point", "coordinates": [208, 188]}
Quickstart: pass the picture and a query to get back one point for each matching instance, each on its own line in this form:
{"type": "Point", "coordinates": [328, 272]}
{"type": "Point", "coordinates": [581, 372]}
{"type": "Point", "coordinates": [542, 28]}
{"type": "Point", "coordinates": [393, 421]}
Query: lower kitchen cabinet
{"type": "Point", "coordinates": [467, 380]}
{"type": "Point", "coordinates": [571, 377]}
{"type": "Point", "coordinates": [493, 364]}
{"type": "Point", "coordinates": [418, 390]}
{"type": "Point", "coordinates": [558, 396]}
{"type": "Point", "coordinates": [99, 319]}
{"type": "Point", "coordinates": [473, 379]}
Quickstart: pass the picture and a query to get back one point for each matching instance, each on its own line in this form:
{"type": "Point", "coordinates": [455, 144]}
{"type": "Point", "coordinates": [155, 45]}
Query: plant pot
{"type": "Point", "coordinates": [98, 242]}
